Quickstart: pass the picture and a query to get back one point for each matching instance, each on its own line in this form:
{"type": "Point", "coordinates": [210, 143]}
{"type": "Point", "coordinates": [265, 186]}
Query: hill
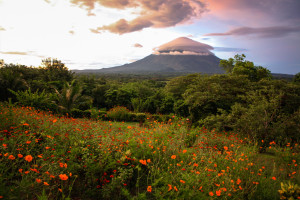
{"type": "Point", "coordinates": [208, 64]}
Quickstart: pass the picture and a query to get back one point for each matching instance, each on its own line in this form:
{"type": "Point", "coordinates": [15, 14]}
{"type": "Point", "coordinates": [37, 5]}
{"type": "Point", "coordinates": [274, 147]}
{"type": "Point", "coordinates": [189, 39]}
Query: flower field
{"type": "Point", "coordinates": [44, 156]}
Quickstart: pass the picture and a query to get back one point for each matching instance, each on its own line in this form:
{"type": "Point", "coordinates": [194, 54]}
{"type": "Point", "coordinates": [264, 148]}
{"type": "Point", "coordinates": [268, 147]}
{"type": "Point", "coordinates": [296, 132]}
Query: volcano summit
{"type": "Point", "coordinates": [180, 55]}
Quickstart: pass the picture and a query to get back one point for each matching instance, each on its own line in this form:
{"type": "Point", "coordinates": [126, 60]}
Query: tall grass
{"type": "Point", "coordinates": [44, 156]}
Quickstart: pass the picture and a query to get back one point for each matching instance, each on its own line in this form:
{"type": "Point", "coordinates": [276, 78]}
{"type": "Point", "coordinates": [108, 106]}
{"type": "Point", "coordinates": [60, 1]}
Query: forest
{"type": "Point", "coordinates": [246, 99]}
{"type": "Point", "coordinates": [246, 110]}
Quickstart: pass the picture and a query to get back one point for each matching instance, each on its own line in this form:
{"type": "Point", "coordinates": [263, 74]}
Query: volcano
{"type": "Point", "coordinates": [180, 55]}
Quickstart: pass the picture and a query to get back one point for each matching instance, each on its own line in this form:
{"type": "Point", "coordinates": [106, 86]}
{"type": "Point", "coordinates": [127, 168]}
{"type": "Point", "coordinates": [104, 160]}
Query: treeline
{"type": "Point", "coordinates": [246, 99]}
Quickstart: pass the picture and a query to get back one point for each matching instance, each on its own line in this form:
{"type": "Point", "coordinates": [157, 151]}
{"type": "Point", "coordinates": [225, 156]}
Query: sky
{"type": "Point", "coordinates": [95, 34]}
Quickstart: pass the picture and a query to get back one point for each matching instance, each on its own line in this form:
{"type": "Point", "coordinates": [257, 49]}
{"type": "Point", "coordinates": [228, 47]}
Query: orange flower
{"type": "Point", "coordinates": [38, 180]}
{"type": "Point", "coordinates": [218, 193]}
{"type": "Point", "coordinates": [28, 142]}
{"type": "Point", "coordinates": [59, 189]}
{"type": "Point", "coordinates": [238, 181]}
{"type": "Point", "coordinates": [148, 160]}
{"type": "Point", "coordinates": [149, 189]}
{"type": "Point", "coordinates": [170, 187]}
{"type": "Point", "coordinates": [175, 188]}
{"type": "Point", "coordinates": [11, 157]}
{"type": "Point", "coordinates": [28, 158]}
{"type": "Point", "coordinates": [45, 183]}
{"type": "Point", "coordinates": [55, 120]}
{"type": "Point", "coordinates": [20, 170]}
{"type": "Point", "coordinates": [274, 178]}
{"type": "Point", "coordinates": [226, 148]}
{"type": "Point", "coordinates": [184, 151]}
{"type": "Point", "coordinates": [63, 177]}
{"type": "Point", "coordinates": [144, 162]}
{"type": "Point", "coordinates": [211, 194]}
{"type": "Point", "coordinates": [182, 181]}
{"type": "Point", "coordinates": [173, 156]}
{"type": "Point", "coordinates": [196, 165]}
{"type": "Point", "coordinates": [20, 155]}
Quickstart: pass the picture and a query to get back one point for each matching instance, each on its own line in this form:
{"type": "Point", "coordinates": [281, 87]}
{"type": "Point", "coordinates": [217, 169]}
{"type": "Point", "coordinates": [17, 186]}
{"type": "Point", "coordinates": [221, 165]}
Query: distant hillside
{"type": "Point", "coordinates": [208, 64]}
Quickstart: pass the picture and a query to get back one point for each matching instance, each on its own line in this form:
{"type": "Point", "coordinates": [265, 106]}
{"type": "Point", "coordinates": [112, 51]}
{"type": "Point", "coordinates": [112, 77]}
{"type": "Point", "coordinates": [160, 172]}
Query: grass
{"type": "Point", "coordinates": [84, 159]}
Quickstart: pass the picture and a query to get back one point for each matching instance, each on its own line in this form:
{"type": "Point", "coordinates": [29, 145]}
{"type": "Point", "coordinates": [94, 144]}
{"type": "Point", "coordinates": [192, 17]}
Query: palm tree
{"type": "Point", "coordinates": [71, 97]}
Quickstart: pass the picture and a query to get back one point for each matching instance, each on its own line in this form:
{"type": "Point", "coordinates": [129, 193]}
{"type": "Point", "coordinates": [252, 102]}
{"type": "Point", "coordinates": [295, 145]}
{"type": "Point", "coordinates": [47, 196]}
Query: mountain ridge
{"type": "Point", "coordinates": [171, 63]}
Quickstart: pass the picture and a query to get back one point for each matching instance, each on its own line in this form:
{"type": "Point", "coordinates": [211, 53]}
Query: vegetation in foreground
{"type": "Point", "coordinates": [45, 156]}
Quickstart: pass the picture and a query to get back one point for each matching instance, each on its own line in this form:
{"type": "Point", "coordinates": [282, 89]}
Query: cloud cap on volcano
{"type": "Point", "coordinates": [184, 46]}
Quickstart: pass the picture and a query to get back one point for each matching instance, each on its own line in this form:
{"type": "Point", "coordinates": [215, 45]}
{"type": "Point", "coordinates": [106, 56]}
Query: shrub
{"type": "Point", "coordinates": [38, 100]}
{"type": "Point", "coordinates": [119, 113]}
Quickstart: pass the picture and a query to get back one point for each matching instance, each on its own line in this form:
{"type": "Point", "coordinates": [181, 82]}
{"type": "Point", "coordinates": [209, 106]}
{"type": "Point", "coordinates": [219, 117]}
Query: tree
{"type": "Point", "coordinates": [11, 79]}
{"type": "Point", "coordinates": [296, 78]}
{"type": "Point", "coordinates": [240, 66]}
{"type": "Point", "coordinates": [56, 71]}
{"type": "Point", "coordinates": [71, 97]}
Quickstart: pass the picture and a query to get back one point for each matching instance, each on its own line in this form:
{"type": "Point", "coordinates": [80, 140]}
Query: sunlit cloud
{"type": "Point", "coordinates": [138, 45]}
{"type": "Point", "coordinates": [15, 53]}
{"type": "Point", "coordinates": [22, 53]}
{"type": "Point", "coordinates": [151, 13]}
{"type": "Point", "coordinates": [265, 32]}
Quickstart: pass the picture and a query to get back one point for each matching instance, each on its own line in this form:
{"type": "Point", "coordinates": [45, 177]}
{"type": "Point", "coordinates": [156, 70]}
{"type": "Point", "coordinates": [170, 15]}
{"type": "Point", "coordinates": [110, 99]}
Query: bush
{"type": "Point", "coordinates": [76, 113]}
{"type": "Point", "coordinates": [139, 117]}
{"type": "Point", "coordinates": [119, 113]}
{"type": "Point", "coordinates": [38, 100]}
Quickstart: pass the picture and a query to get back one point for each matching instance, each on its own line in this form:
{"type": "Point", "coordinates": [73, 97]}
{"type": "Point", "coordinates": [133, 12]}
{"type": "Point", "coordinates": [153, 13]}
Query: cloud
{"type": "Point", "coordinates": [138, 45]}
{"type": "Point", "coordinates": [182, 53]}
{"type": "Point", "coordinates": [21, 53]}
{"type": "Point", "coordinates": [229, 49]}
{"type": "Point", "coordinates": [152, 13]}
{"type": "Point", "coordinates": [15, 53]}
{"type": "Point", "coordinates": [265, 32]}
{"type": "Point", "coordinates": [122, 26]}
{"type": "Point", "coordinates": [274, 10]}
{"type": "Point", "coordinates": [184, 45]}
{"type": "Point", "coordinates": [2, 29]}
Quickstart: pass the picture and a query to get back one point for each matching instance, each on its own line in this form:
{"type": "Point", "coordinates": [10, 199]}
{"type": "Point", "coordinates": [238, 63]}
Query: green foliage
{"type": "Point", "coordinates": [289, 191]}
{"type": "Point", "coordinates": [11, 79]}
{"type": "Point", "coordinates": [119, 113]}
{"type": "Point", "coordinates": [54, 69]}
{"type": "Point", "coordinates": [39, 100]}
{"type": "Point", "coordinates": [296, 78]}
{"type": "Point", "coordinates": [209, 93]}
{"type": "Point", "coordinates": [70, 97]}
{"type": "Point", "coordinates": [240, 66]}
